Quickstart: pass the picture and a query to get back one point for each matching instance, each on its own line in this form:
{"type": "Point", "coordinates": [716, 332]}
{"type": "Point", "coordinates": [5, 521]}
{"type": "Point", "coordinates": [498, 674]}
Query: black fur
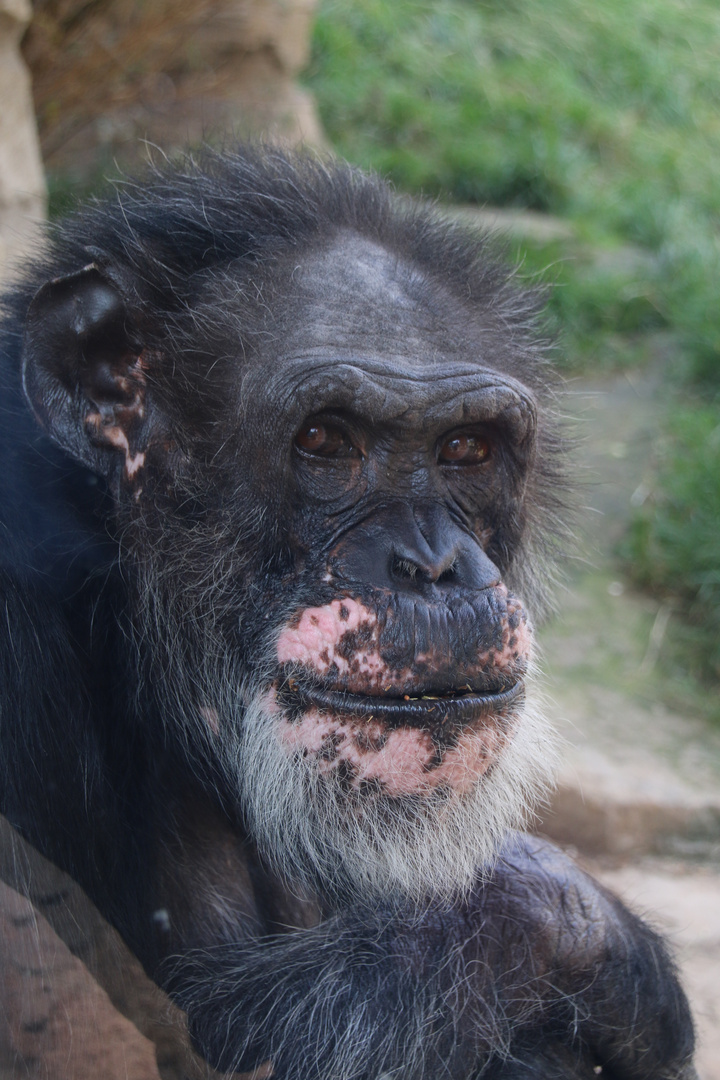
{"type": "Point", "coordinates": [492, 987]}
{"type": "Point", "coordinates": [133, 582]}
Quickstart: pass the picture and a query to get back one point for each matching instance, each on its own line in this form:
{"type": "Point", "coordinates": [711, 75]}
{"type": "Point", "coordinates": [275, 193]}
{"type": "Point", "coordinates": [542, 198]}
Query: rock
{"type": "Point", "coordinates": [22, 185]}
{"type": "Point", "coordinates": [108, 76]}
{"type": "Point", "coordinates": [55, 1021]}
{"type": "Point", "coordinates": [630, 803]}
{"type": "Point", "coordinates": [515, 224]}
{"type": "Point", "coordinates": [69, 985]}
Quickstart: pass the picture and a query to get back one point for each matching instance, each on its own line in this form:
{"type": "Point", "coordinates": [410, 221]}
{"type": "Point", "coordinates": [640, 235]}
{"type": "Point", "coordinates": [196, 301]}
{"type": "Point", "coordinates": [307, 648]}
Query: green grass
{"type": "Point", "coordinates": [606, 113]}
{"type": "Point", "coordinates": [674, 542]}
{"type": "Point", "coordinates": [602, 304]}
{"type": "Point", "coordinates": [560, 105]}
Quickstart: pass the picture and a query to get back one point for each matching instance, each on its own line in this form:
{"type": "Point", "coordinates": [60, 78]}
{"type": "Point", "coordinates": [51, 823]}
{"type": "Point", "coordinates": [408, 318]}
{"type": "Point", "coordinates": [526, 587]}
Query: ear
{"type": "Point", "coordinates": [83, 372]}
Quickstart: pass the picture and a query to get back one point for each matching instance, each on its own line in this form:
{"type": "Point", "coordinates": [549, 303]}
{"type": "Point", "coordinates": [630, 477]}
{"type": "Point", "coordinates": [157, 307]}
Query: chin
{"type": "Point", "coordinates": [405, 797]}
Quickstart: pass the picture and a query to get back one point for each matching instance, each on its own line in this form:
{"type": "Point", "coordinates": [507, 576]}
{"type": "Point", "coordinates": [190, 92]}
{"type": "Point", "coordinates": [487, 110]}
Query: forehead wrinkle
{"type": "Point", "coordinates": [380, 393]}
{"type": "Point", "coordinates": [391, 368]}
{"type": "Point", "coordinates": [365, 375]}
{"type": "Point", "coordinates": [374, 394]}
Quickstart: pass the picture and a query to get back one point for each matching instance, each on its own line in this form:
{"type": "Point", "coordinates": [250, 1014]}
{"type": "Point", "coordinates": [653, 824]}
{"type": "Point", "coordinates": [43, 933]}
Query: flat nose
{"type": "Point", "coordinates": [424, 553]}
{"type": "Point", "coordinates": [401, 547]}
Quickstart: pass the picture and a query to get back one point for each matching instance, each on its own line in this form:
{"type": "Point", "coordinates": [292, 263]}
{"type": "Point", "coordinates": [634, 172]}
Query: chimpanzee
{"type": "Point", "coordinates": [279, 459]}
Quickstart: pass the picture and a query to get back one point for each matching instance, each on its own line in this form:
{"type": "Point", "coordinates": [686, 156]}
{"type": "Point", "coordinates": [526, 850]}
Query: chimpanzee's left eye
{"type": "Point", "coordinates": [464, 448]}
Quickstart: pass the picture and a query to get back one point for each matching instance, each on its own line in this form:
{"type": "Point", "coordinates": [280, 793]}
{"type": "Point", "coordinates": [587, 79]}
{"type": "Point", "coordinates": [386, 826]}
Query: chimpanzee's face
{"type": "Point", "coordinates": [396, 462]}
{"type": "Point", "coordinates": [402, 464]}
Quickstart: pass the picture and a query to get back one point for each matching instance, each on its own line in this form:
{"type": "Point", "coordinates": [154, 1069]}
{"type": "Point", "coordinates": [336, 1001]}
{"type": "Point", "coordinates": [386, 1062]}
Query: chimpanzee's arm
{"type": "Point", "coordinates": [542, 975]}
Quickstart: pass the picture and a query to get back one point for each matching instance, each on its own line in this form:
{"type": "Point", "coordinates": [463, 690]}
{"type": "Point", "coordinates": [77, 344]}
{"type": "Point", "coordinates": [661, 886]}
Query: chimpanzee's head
{"type": "Point", "coordinates": [321, 415]}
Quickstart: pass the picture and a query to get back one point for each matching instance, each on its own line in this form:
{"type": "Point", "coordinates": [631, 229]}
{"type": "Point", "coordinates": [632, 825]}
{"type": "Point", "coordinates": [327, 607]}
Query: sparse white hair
{"type": "Point", "coordinates": [430, 845]}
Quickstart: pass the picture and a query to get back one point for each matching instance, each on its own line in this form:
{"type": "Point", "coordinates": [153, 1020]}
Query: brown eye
{"type": "Point", "coordinates": [324, 440]}
{"type": "Point", "coordinates": [464, 449]}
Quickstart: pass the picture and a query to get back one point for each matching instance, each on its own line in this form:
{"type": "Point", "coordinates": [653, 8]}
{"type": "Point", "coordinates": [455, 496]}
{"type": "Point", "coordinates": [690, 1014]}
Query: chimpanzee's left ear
{"type": "Point", "coordinates": [83, 371]}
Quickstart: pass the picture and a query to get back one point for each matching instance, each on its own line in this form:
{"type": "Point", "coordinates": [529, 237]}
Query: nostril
{"type": "Point", "coordinates": [404, 569]}
{"type": "Point", "coordinates": [448, 575]}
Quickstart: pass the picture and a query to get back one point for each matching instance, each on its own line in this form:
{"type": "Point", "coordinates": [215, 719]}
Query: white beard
{"type": "Point", "coordinates": [433, 845]}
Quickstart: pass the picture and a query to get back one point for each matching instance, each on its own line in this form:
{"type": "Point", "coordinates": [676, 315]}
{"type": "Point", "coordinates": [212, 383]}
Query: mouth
{"type": "Point", "coordinates": [427, 708]}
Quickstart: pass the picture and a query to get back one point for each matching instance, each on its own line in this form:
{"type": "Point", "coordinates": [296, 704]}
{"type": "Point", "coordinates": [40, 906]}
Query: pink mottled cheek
{"type": "Point", "coordinates": [517, 645]}
{"type": "Point", "coordinates": [317, 640]}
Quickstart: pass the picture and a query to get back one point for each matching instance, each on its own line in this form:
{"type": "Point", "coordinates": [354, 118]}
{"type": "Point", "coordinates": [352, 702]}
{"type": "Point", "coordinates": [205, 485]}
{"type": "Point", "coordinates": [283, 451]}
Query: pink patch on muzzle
{"type": "Point", "coordinates": [316, 641]}
{"type": "Point", "coordinates": [341, 642]}
{"type": "Point", "coordinates": [398, 761]}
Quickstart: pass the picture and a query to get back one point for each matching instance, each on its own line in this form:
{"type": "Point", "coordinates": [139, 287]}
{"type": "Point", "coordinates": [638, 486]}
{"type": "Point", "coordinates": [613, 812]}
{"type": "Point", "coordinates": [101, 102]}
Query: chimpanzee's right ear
{"type": "Point", "coordinates": [83, 370]}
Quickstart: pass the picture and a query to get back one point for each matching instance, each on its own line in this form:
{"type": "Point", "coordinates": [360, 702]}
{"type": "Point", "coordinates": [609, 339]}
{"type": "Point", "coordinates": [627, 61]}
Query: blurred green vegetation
{"type": "Point", "coordinates": [673, 543]}
{"type": "Point", "coordinates": [66, 192]}
{"type": "Point", "coordinates": [608, 115]}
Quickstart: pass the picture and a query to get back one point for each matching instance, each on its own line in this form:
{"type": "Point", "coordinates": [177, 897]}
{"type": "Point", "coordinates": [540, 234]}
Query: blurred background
{"type": "Point", "coordinates": [587, 132]}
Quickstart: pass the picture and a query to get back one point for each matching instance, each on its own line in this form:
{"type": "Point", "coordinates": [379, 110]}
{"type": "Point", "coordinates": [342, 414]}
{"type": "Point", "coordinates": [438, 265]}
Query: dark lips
{"type": "Point", "coordinates": [424, 711]}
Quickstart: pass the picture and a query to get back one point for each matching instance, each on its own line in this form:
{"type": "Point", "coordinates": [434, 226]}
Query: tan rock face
{"type": "Point", "coordinates": [22, 185]}
{"type": "Point", "coordinates": [55, 1021]}
{"type": "Point", "coordinates": [172, 72]}
{"type": "Point", "coordinates": [75, 1004]}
